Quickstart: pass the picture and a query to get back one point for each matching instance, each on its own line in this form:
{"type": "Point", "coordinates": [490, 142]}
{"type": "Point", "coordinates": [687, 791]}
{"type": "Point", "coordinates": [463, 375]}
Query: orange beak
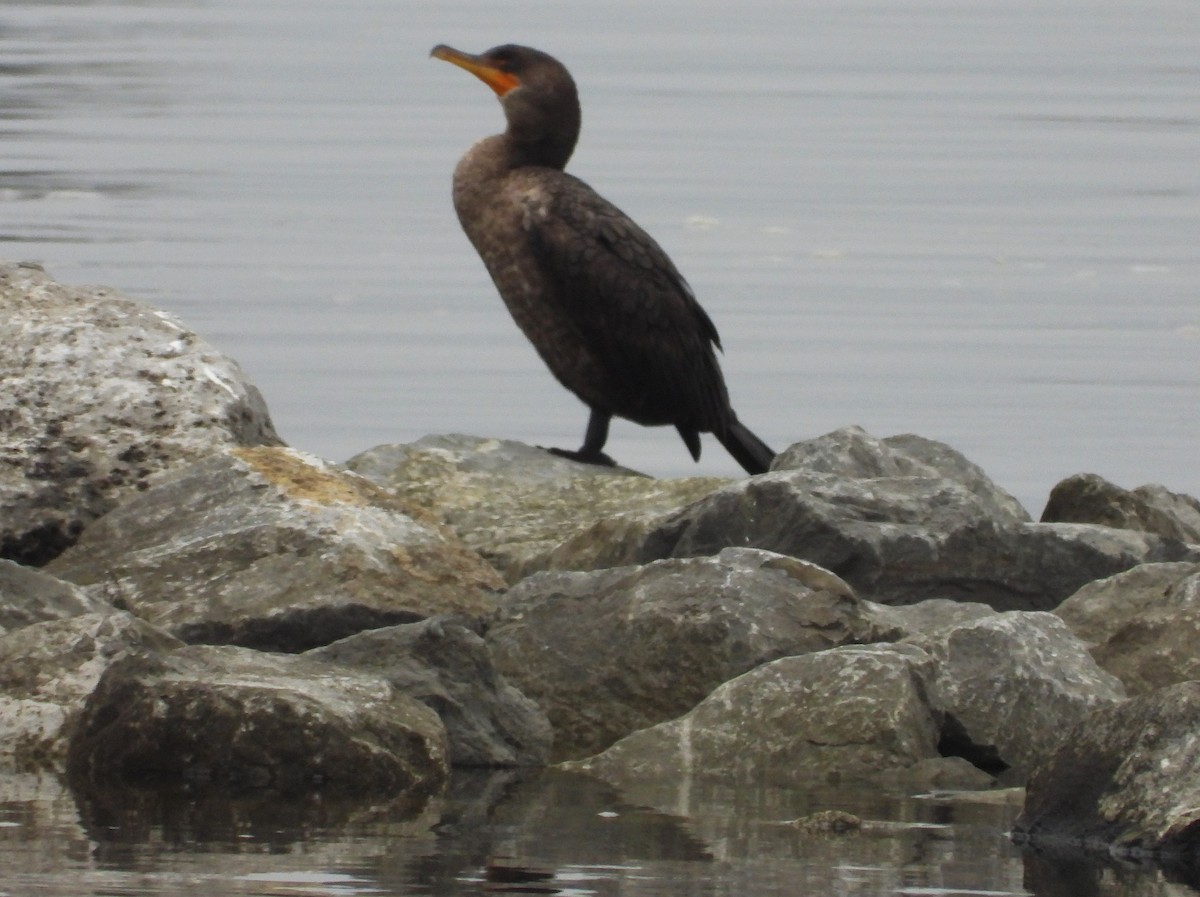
{"type": "Point", "coordinates": [500, 81]}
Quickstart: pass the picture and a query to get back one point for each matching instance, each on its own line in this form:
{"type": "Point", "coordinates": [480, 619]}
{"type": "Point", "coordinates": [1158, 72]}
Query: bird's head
{"type": "Point", "coordinates": [537, 93]}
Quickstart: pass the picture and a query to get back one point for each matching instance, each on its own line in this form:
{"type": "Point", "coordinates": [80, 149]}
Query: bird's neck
{"type": "Point", "coordinates": [549, 151]}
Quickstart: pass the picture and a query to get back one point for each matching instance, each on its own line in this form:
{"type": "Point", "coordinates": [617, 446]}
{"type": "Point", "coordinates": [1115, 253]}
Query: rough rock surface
{"type": "Point", "coordinates": [1088, 498]}
{"type": "Point", "coordinates": [47, 671]}
{"type": "Point", "coordinates": [30, 596]}
{"type": "Point", "coordinates": [270, 548]}
{"type": "Point", "coordinates": [925, 618]}
{"type": "Point", "coordinates": [850, 714]}
{"type": "Point", "coordinates": [1126, 779]}
{"type": "Point", "coordinates": [515, 503]}
{"type": "Point", "coordinates": [1143, 625]}
{"type": "Point", "coordinates": [1010, 685]}
{"type": "Point", "coordinates": [101, 393]}
{"type": "Point", "coordinates": [903, 538]}
{"type": "Point", "coordinates": [610, 652]}
{"type": "Point", "coordinates": [238, 719]}
{"type": "Point", "coordinates": [854, 454]}
{"type": "Point", "coordinates": [448, 667]}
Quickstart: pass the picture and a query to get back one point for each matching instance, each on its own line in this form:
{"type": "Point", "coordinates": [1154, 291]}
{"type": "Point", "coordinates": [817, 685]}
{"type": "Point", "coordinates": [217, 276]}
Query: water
{"type": "Point", "coordinates": [977, 222]}
{"type": "Point", "coordinates": [527, 833]}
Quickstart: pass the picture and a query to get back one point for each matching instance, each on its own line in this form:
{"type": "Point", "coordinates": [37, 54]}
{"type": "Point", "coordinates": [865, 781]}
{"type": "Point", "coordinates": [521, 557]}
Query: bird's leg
{"type": "Point", "coordinates": [597, 434]}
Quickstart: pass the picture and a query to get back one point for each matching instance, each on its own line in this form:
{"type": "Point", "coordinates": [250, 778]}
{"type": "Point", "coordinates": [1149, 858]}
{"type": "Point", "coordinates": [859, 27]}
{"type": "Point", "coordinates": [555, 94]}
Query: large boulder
{"type": "Point", "coordinates": [447, 667]}
{"type": "Point", "coordinates": [236, 719]}
{"type": "Point", "coordinates": [850, 714]}
{"type": "Point", "coordinates": [1126, 779]}
{"type": "Point", "coordinates": [47, 672]}
{"type": "Point", "coordinates": [30, 596]}
{"type": "Point", "coordinates": [274, 549]}
{"type": "Point", "coordinates": [515, 503]}
{"type": "Point", "coordinates": [1010, 685]}
{"type": "Point", "coordinates": [1088, 498]}
{"type": "Point", "coordinates": [898, 536]}
{"type": "Point", "coordinates": [1142, 625]}
{"type": "Point", "coordinates": [101, 393]}
{"type": "Point", "coordinates": [610, 652]}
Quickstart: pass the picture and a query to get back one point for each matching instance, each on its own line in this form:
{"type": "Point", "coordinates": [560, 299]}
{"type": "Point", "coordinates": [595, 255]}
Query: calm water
{"type": "Point", "coordinates": [975, 221]}
{"type": "Point", "coordinates": [538, 834]}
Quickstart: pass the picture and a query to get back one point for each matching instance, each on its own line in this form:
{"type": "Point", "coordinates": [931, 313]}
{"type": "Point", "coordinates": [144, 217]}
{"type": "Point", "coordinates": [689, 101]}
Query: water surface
{"type": "Point", "coordinates": [531, 833]}
{"type": "Point", "coordinates": [977, 222]}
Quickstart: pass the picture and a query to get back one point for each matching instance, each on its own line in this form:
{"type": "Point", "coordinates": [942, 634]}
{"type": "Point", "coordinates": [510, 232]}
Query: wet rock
{"type": "Point", "coordinates": [515, 503]}
{"type": "Point", "coordinates": [47, 671]}
{"type": "Point", "coordinates": [1142, 625]}
{"type": "Point", "coordinates": [1125, 779]}
{"type": "Point", "coordinates": [273, 549]}
{"type": "Point", "coordinates": [30, 596]}
{"type": "Point", "coordinates": [101, 393]}
{"type": "Point", "coordinates": [610, 652]}
{"type": "Point", "coordinates": [1088, 498]}
{"type": "Point", "coordinates": [447, 667]}
{"type": "Point", "coordinates": [1010, 685]}
{"type": "Point", "coordinates": [236, 719]}
{"type": "Point", "coordinates": [849, 714]}
{"type": "Point", "coordinates": [903, 538]}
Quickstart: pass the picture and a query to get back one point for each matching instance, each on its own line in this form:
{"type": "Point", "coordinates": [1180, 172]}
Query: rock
{"type": "Point", "coordinates": [853, 453]}
{"type": "Point", "coordinates": [1010, 685]}
{"type": "Point", "coordinates": [927, 617]}
{"type": "Point", "coordinates": [515, 503]}
{"type": "Point", "coordinates": [610, 652]}
{"type": "Point", "coordinates": [30, 596]}
{"type": "Point", "coordinates": [903, 538]}
{"type": "Point", "coordinates": [1142, 625]}
{"type": "Point", "coordinates": [47, 671]}
{"type": "Point", "coordinates": [101, 394]}
{"type": "Point", "coordinates": [447, 667]}
{"type": "Point", "coordinates": [1088, 498]}
{"type": "Point", "coordinates": [273, 549]}
{"type": "Point", "coordinates": [849, 714]}
{"type": "Point", "coordinates": [1125, 779]}
{"type": "Point", "coordinates": [235, 719]}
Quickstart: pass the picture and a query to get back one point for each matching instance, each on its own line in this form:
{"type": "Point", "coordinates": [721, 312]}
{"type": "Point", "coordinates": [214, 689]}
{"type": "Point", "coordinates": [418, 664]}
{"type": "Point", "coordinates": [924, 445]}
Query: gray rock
{"type": "Point", "coordinates": [1088, 498]}
{"type": "Point", "coordinates": [237, 719]}
{"type": "Point", "coordinates": [854, 454]}
{"type": "Point", "coordinates": [447, 667]}
{"type": "Point", "coordinates": [270, 548]}
{"type": "Point", "coordinates": [850, 714]}
{"type": "Point", "coordinates": [610, 652]}
{"type": "Point", "coordinates": [1125, 779]}
{"type": "Point", "coordinates": [30, 596]}
{"type": "Point", "coordinates": [1143, 625]}
{"type": "Point", "coordinates": [1010, 685]}
{"type": "Point", "coordinates": [515, 503]}
{"type": "Point", "coordinates": [899, 539]}
{"type": "Point", "coordinates": [101, 393]}
{"type": "Point", "coordinates": [934, 615]}
{"type": "Point", "coordinates": [47, 671]}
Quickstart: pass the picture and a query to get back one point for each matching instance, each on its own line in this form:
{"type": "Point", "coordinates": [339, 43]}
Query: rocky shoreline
{"type": "Point", "coordinates": [185, 600]}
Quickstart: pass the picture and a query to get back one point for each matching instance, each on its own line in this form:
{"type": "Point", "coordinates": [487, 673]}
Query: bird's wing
{"type": "Point", "coordinates": [631, 305]}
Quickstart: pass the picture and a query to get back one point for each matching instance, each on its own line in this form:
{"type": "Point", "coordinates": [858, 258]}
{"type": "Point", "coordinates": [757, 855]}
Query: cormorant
{"type": "Point", "coordinates": [601, 302]}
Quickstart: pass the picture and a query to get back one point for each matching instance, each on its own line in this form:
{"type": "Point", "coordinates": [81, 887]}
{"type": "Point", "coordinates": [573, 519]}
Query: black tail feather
{"type": "Point", "coordinates": [747, 449]}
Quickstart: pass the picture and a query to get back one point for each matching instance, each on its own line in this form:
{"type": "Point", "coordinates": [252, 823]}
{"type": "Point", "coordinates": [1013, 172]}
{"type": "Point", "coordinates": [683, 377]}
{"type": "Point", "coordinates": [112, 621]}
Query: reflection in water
{"type": "Point", "coordinates": [532, 832]}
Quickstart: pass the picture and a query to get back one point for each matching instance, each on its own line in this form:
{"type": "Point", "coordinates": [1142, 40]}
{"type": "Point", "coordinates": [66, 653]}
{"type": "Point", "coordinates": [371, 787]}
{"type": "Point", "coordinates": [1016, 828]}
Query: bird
{"type": "Point", "coordinates": [599, 299]}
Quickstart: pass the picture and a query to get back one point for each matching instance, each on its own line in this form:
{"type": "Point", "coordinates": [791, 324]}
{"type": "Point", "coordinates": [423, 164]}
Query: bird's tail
{"type": "Point", "coordinates": [747, 449]}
